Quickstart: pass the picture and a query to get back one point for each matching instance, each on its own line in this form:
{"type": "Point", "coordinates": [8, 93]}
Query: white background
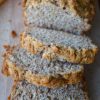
{"type": "Point", "coordinates": [11, 19]}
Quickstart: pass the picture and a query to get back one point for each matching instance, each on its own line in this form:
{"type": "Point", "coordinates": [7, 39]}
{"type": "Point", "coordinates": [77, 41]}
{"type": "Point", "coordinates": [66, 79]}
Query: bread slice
{"type": "Point", "coordinates": [48, 15]}
{"type": "Point", "coordinates": [57, 44]}
{"type": "Point", "coordinates": [22, 65]}
{"type": "Point", "coordinates": [25, 91]}
{"type": "Point", "coordinates": [84, 8]}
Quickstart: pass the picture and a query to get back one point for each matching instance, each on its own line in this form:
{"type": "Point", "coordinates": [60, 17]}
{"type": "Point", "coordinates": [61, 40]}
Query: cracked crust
{"type": "Point", "coordinates": [83, 8]}
{"type": "Point", "coordinates": [78, 91]}
{"type": "Point", "coordinates": [82, 56]}
{"type": "Point", "coordinates": [10, 69]}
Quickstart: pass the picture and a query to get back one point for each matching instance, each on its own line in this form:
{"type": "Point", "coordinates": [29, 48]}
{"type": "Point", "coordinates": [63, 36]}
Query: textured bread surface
{"type": "Point", "coordinates": [83, 8]}
{"type": "Point", "coordinates": [47, 15]}
{"type": "Point", "coordinates": [58, 44]}
{"type": "Point", "coordinates": [26, 91]}
{"type": "Point", "coordinates": [33, 68]}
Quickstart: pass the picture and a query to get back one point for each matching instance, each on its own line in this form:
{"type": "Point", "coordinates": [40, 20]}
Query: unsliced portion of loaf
{"type": "Point", "coordinates": [22, 65]}
{"type": "Point", "coordinates": [57, 44]}
{"type": "Point", "coordinates": [48, 15]}
{"type": "Point", "coordinates": [26, 91]}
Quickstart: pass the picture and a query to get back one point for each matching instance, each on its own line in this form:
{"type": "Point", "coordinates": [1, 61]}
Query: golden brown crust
{"type": "Point", "coordinates": [9, 50]}
{"type": "Point", "coordinates": [84, 56]}
{"type": "Point", "coordinates": [49, 81]}
{"type": "Point", "coordinates": [85, 8]}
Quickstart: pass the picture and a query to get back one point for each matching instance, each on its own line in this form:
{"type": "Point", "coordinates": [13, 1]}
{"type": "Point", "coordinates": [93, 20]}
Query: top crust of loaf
{"type": "Point", "coordinates": [48, 15]}
{"type": "Point", "coordinates": [31, 92]}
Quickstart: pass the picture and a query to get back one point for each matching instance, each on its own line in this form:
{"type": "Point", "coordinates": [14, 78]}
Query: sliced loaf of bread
{"type": "Point", "coordinates": [20, 64]}
{"type": "Point", "coordinates": [25, 91]}
{"type": "Point", "coordinates": [59, 45]}
{"type": "Point", "coordinates": [47, 15]}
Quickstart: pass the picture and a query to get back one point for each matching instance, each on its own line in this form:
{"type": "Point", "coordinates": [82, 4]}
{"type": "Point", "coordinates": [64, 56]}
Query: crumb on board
{"type": "Point", "coordinates": [13, 34]}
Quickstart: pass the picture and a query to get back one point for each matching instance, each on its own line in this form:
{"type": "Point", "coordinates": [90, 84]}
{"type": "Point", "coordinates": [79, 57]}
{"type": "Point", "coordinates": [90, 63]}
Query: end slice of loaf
{"type": "Point", "coordinates": [57, 44]}
{"type": "Point", "coordinates": [25, 91]}
{"type": "Point", "coordinates": [48, 15]}
{"type": "Point", "coordinates": [84, 8]}
{"type": "Point", "coordinates": [22, 65]}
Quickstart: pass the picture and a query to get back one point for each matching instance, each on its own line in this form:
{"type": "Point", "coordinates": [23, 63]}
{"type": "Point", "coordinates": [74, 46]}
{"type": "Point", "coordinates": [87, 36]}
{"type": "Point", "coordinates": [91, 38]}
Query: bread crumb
{"type": "Point", "coordinates": [13, 34]}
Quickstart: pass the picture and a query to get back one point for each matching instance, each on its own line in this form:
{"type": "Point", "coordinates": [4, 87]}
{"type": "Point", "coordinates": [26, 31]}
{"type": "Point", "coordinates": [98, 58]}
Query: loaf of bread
{"type": "Point", "coordinates": [22, 65]}
{"type": "Point", "coordinates": [48, 15]}
{"type": "Point", "coordinates": [59, 45]}
{"type": "Point", "coordinates": [25, 91]}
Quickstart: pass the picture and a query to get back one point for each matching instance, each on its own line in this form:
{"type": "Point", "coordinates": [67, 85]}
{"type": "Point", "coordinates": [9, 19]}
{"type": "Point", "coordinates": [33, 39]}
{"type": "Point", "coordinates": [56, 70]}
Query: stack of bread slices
{"type": "Point", "coordinates": [48, 63]}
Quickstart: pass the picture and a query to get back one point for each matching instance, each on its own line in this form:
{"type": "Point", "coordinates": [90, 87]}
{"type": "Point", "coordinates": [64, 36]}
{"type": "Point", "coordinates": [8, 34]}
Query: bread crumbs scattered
{"type": "Point", "coordinates": [13, 34]}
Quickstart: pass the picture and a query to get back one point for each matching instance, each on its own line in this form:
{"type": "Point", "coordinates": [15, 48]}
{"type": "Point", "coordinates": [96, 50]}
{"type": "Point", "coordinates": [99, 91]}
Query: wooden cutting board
{"type": "Point", "coordinates": [11, 19]}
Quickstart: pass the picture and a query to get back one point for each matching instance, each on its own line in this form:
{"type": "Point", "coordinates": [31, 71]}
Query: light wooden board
{"type": "Point", "coordinates": [11, 19]}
